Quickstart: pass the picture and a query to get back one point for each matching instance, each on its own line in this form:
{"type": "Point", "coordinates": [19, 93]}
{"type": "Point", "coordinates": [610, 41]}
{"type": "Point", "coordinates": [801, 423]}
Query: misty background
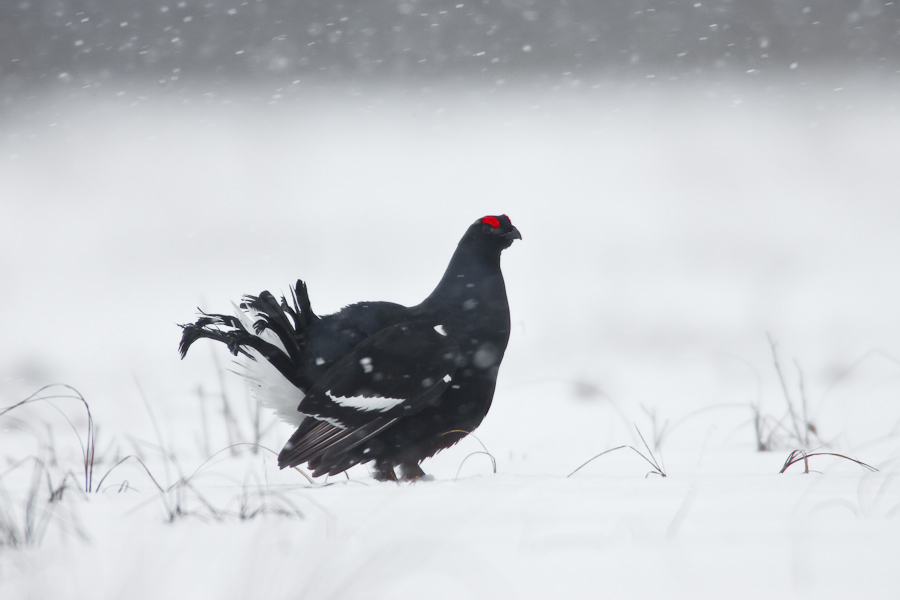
{"type": "Point", "coordinates": [99, 43]}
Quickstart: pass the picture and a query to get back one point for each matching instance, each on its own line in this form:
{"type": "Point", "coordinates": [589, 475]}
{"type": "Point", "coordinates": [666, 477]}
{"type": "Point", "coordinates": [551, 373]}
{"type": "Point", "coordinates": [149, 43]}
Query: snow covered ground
{"type": "Point", "coordinates": [667, 231]}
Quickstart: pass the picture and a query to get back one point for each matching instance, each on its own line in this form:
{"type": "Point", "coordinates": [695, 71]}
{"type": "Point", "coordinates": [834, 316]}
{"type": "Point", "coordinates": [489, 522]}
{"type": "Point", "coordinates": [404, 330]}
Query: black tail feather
{"type": "Point", "coordinates": [302, 305]}
{"type": "Point", "coordinates": [273, 318]}
{"type": "Point", "coordinates": [237, 340]}
{"type": "Point", "coordinates": [286, 323]}
{"type": "Point", "coordinates": [324, 447]}
{"type": "Point", "coordinates": [335, 455]}
{"type": "Point", "coordinates": [310, 432]}
{"type": "Point", "coordinates": [207, 326]}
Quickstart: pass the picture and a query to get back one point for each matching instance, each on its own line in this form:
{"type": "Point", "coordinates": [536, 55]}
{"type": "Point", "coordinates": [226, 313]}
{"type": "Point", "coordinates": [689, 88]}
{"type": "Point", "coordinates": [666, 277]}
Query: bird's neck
{"type": "Point", "coordinates": [472, 271]}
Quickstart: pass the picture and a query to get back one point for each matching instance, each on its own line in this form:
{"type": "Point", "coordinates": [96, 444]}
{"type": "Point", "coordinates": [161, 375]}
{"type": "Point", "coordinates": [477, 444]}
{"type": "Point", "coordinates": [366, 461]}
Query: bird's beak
{"type": "Point", "coordinates": [513, 235]}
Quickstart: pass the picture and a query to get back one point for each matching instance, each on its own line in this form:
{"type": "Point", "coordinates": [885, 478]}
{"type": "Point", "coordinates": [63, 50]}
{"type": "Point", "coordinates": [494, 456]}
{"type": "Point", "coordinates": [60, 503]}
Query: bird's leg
{"type": "Point", "coordinates": [411, 471]}
{"type": "Point", "coordinates": [384, 471]}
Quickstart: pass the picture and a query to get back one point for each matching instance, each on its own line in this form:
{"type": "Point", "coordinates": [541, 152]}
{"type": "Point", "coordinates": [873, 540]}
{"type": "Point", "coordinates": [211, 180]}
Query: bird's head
{"type": "Point", "coordinates": [496, 230]}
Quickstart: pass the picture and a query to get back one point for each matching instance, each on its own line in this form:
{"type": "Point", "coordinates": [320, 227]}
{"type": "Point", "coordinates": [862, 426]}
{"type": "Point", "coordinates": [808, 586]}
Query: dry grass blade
{"type": "Point", "coordinates": [795, 422]}
{"type": "Point", "coordinates": [796, 426]}
{"type": "Point", "coordinates": [26, 526]}
{"type": "Point", "coordinates": [255, 447]}
{"type": "Point", "coordinates": [590, 460]}
{"type": "Point", "coordinates": [488, 454]}
{"type": "Point", "coordinates": [232, 429]}
{"type": "Point", "coordinates": [652, 460]}
{"type": "Point", "coordinates": [485, 451]}
{"type": "Point", "coordinates": [87, 447]}
{"type": "Point", "coordinates": [166, 455]}
{"type": "Point", "coordinates": [658, 431]}
{"type": "Point", "coordinates": [803, 456]}
{"type": "Point", "coordinates": [657, 469]}
{"type": "Point", "coordinates": [130, 456]}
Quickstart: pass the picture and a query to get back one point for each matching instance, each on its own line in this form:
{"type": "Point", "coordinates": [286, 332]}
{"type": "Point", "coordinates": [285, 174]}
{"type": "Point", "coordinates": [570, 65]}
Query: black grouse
{"type": "Point", "coordinates": [377, 381]}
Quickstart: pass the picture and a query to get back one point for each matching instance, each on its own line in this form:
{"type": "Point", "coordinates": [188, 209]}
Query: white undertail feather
{"type": "Point", "coordinates": [248, 317]}
{"type": "Point", "coordinates": [267, 385]}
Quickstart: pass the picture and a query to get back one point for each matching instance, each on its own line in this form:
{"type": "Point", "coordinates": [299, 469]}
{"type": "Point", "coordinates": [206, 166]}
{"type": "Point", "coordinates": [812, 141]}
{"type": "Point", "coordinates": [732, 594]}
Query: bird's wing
{"type": "Point", "coordinates": [396, 372]}
{"type": "Point", "coordinates": [317, 441]}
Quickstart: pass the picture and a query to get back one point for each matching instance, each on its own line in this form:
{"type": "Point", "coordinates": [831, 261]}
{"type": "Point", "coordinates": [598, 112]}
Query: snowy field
{"type": "Point", "coordinates": [669, 233]}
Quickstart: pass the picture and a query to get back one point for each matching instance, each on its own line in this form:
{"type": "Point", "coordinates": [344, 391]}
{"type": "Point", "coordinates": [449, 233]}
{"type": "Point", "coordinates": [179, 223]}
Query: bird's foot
{"type": "Point", "coordinates": [384, 472]}
{"type": "Point", "coordinates": [412, 472]}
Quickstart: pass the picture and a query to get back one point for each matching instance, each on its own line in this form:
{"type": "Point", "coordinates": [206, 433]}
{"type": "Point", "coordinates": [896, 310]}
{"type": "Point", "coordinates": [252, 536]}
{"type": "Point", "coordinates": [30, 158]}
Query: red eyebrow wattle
{"type": "Point", "coordinates": [492, 221]}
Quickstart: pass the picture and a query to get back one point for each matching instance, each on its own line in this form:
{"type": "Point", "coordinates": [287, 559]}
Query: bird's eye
{"type": "Point", "coordinates": [492, 221]}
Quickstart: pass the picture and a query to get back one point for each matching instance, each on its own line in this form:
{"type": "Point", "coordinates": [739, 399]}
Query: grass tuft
{"type": "Point", "coordinates": [651, 459]}
{"type": "Point", "coordinates": [803, 456]}
{"type": "Point", "coordinates": [795, 427]}
{"type": "Point", "coordinates": [87, 445]}
{"type": "Point", "coordinates": [25, 525]}
{"type": "Point", "coordinates": [27, 513]}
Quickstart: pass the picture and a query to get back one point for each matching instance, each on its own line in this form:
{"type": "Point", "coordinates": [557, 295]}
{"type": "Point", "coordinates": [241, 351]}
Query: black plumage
{"type": "Point", "coordinates": [378, 381]}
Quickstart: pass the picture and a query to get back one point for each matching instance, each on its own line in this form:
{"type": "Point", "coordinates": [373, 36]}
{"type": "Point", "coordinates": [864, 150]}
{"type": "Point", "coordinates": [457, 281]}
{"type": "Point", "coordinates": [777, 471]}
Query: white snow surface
{"type": "Point", "coordinates": [666, 232]}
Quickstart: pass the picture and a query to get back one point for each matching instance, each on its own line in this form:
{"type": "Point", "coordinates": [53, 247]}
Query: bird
{"type": "Point", "coordinates": [377, 382]}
